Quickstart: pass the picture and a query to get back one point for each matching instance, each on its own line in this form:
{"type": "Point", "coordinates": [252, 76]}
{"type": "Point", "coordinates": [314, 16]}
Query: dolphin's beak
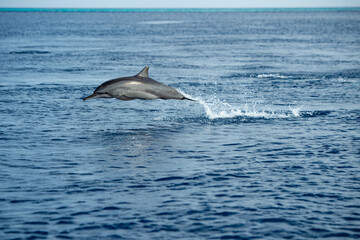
{"type": "Point", "coordinates": [90, 97]}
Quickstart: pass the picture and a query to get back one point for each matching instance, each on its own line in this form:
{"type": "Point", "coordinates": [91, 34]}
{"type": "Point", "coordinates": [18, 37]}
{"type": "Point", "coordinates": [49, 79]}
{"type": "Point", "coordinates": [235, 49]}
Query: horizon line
{"type": "Point", "coordinates": [105, 9]}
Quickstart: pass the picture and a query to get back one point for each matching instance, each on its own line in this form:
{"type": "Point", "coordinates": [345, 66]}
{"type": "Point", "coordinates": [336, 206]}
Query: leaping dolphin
{"type": "Point", "coordinates": [140, 86]}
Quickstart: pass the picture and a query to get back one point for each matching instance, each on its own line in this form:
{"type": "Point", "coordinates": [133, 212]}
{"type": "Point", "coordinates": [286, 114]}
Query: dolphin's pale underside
{"type": "Point", "coordinates": [140, 86]}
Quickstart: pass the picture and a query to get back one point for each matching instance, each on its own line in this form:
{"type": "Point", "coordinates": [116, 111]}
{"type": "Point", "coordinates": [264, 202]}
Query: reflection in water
{"type": "Point", "coordinates": [139, 144]}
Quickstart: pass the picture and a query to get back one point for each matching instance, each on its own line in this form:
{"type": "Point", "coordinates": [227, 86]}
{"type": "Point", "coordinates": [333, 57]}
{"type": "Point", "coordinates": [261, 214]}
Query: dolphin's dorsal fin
{"type": "Point", "coordinates": [144, 72]}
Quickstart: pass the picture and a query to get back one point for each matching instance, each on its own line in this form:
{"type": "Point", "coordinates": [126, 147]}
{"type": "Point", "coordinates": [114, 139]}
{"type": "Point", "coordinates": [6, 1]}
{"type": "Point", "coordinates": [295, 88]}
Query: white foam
{"type": "Point", "coordinates": [296, 111]}
{"type": "Point", "coordinates": [346, 80]}
{"type": "Point", "coordinates": [218, 110]}
{"type": "Point", "coordinates": [271, 75]}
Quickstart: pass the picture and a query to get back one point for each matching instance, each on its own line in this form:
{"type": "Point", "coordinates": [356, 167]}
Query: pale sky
{"type": "Point", "coordinates": [176, 4]}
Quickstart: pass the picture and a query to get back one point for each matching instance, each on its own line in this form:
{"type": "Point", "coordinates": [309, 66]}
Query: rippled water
{"type": "Point", "coordinates": [270, 150]}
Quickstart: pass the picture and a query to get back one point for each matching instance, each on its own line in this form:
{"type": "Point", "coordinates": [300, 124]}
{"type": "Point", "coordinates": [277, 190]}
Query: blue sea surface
{"type": "Point", "coordinates": [270, 150]}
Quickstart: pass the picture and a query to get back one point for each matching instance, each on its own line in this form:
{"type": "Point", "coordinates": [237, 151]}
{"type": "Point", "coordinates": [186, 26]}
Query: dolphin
{"type": "Point", "coordinates": [140, 86]}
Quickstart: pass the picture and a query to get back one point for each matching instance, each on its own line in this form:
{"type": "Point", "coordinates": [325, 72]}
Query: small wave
{"type": "Point", "coordinates": [169, 178]}
{"type": "Point", "coordinates": [273, 75]}
{"type": "Point", "coordinates": [161, 22]}
{"type": "Point", "coordinates": [74, 69]}
{"type": "Point", "coordinates": [346, 80]}
{"type": "Point", "coordinates": [309, 114]}
{"type": "Point", "coordinates": [350, 75]}
{"type": "Point", "coordinates": [270, 76]}
{"type": "Point", "coordinates": [30, 52]}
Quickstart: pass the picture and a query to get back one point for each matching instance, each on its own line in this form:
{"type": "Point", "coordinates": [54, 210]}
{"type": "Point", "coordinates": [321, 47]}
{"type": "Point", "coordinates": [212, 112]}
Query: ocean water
{"type": "Point", "coordinates": [271, 149]}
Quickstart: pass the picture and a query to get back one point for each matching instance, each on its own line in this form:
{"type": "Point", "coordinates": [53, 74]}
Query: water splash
{"type": "Point", "coordinates": [217, 109]}
{"type": "Point", "coordinates": [296, 111]}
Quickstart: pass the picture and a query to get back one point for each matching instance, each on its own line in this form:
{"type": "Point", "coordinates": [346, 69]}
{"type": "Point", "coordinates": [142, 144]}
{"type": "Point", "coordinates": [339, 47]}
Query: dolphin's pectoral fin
{"type": "Point", "coordinates": [124, 98]}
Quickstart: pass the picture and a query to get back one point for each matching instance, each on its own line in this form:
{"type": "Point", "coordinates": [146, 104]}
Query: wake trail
{"type": "Point", "coordinates": [216, 109]}
{"type": "Point", "coordinates": [225, 110]}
